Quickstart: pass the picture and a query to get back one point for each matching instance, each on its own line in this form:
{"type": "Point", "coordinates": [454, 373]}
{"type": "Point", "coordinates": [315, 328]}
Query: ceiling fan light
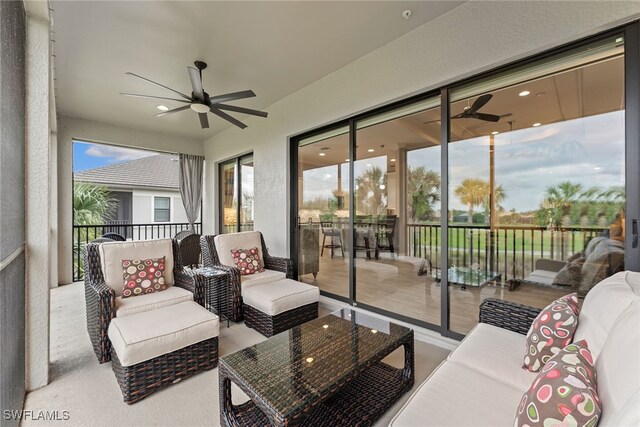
{"type": "Point", "coordinates": [199, 108]}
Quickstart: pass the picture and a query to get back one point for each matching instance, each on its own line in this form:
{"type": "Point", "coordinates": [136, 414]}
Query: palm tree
{"type": "Point", "coordinates": [92, 204]}
{"type": "Point", "coordinates": [371, 192]}
{"type": "Point", "coordinates": [423, 190]}
{"type": "Point", "coordinates": [472, 192]}
{"type": "Point", "coordinates": [558, 201]}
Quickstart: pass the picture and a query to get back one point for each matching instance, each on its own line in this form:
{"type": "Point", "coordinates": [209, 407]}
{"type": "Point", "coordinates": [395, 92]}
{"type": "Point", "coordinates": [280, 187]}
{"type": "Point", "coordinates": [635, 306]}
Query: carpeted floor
{"type": "Point", "coordinates": [90, 393]}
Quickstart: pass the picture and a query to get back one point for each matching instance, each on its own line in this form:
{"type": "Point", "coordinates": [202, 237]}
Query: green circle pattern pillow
{"type": "Point", "coordinates": [564, 394]}
{"type": "Point", "coordinates": [551, 331]}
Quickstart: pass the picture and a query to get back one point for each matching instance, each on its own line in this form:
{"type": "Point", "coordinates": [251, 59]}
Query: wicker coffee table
{"type": "Point", "coordinates": [327, 372]}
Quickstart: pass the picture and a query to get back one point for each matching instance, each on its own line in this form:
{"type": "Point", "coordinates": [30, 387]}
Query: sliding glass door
{"type": "Point", "coordinates": [512, 185]}
{"type": "Point", "coordinates": [236, 194]}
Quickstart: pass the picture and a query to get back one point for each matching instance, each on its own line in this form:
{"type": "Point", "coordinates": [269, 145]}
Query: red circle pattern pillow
{"type": "Point", "coordinates": [247, 260]}
{"type": "Point", "coordinates": [143, 276]}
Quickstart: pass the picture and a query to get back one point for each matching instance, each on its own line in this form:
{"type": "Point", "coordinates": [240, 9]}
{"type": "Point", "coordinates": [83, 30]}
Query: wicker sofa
{"type": "Point", "coordinates": [103, 302]}
{"type": "Point", "coordinates": [482, 381]}
{"type": "Point", "coordinates": [214, 248]}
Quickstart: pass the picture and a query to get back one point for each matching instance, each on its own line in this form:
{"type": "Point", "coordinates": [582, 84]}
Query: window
{"type": "Point", "coordinates": [236, 194]}
{"type": "Point", "coordinates": [161, 209]}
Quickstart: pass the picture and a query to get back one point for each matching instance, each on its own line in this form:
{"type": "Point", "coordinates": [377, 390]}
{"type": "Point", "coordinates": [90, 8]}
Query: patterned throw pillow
{"type": "Point", "coordinates": [143, 276]}
{"type": "Point", "coordinates": [551, 331]}
{"type": "Point", "coordinates": [564, 393]}
{"type": "Point", "coordinates": [247, 260]}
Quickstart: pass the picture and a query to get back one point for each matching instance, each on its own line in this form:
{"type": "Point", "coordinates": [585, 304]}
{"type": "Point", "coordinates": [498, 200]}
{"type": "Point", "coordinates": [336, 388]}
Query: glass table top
{"type": "Point", "coordinates": [295, 368]}
{"type": "Point", "coordinates": [469, 277]}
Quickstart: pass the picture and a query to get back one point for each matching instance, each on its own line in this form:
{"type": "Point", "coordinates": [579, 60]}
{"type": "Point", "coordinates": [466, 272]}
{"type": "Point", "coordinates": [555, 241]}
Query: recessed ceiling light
{"type": "Point", "coordinates": [346, 160]}
{"type": "Point", "coordinates": [369, 165]}
{"type": "Point", "coordinates": [322, 154]}
{"type": "Point", "coordinates": [371, 150]}
{"type": "Point", "coordinates": [524, 93]}
{"type": "Point", "coordinates": [535, 125]}
{"type": "Point", "coordinates": [162, 107]}
{"type": "Point", "coordinates": [495, 132]}
{"type": "Point", "coordinates": [597, 168]}
{"type": "Point", "coordinates": [393, 160]}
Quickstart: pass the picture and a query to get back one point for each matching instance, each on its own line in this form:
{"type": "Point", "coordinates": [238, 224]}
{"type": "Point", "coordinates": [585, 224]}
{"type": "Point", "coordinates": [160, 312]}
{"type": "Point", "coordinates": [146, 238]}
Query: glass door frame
{"type": "Point", "coordinates": [237, 162]}
{"type": "Point", "coordinates": [631, 32]}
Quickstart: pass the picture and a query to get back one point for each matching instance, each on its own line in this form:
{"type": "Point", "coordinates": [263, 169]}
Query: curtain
{"type": "Point", "coordinates": [191, 185]}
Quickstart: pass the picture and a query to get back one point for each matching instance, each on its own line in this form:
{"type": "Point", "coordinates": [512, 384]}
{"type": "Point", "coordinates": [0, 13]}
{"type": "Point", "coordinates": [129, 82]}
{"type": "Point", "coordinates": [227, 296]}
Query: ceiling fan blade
{"type": "Point", "coordinates": [175, 110]}
{"type": "Point", "coordinates": [227, 117]}
{"type": "Point", "coordinates": [158, 84]}
{"type": "Point", "coordinates": [204, 120]}
{"type": "Point", "coordinates": [486, 117]}
{"type": "Point", "coordinates": [231, 96]}
{"type": "Point", "coordinates": [154, 97]}
{"type": "Point", "coordinates": [479, 103]}
{"type": "Point", "coordinates": [196, 83]}
{"type": "Point", "coordinates": [241, 110]}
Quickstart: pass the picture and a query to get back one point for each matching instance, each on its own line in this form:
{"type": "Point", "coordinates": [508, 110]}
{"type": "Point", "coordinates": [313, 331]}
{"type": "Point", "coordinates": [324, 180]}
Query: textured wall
{"type": "Point", "coordinates": [70, 128]}
{"type": "Point", "coordinates": [473, 37]}
{"type": "Point", "coordinates": [37, 202]}
{"type": "Point", "coordinates": [12, 284]}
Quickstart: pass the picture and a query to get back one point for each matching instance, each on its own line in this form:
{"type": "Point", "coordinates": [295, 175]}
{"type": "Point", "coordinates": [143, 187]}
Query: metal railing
{"type": "Point", "coordinates": [83, 234]}
{"type": "Point", "coordinates": [508, 250]}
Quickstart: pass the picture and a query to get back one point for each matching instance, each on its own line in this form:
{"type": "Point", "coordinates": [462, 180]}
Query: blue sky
{"type": "Point", "coordinates": [87, 155]}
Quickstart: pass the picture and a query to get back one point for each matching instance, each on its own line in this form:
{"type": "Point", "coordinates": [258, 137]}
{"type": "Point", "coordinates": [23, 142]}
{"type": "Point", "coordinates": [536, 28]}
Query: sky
{"type": "Point", "coordinates": [589, 151]}
{"type": "Point", "coordinates": [87, 155]}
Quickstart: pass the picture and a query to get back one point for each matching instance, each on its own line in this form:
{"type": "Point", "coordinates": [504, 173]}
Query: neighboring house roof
{"type": "Point", "coordinates": [154, 171]}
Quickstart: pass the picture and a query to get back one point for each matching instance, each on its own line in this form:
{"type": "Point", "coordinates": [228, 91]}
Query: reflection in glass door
{"type": "Point", "coordinates": [236, 195]}
{"type": "Point", "coordinates": [323, 211]}
{"type": "Point", "coordinates": [397, 211]}
{"type": "Point", "coordinates": [536, 182]}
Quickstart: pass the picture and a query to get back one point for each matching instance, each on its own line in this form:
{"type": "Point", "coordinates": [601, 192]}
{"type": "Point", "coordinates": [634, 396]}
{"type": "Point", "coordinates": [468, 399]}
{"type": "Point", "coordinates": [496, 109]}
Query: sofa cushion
{"type": "Point", "coordinates": [150, 334]}
{"type": "Point", "coordinates": [551, 331]}
{"type": "Point", "coordinates": [173, 295]}
{"type": "Point", "coordinates": [603, 305]}
{"type": "Point", "coordinates": [495, 352]}
{"type": "Point", "coordinates": [225, 243]}
{"type": "Point", "coordinates": [278, 297]}
{"type": "Point", "coordinates": [264, 277]}
{"type": "Point", "coordinates": [248, 261]}
{"type": "Point", "coordinates": [143, 276]}
{"type": "Point", "coordinates": [112, 254]}
{"type": "Point", "coordinates": [456, 395]}
{"type": "Point", "coordinates": [564, 393]}
{"type": "Point", "coordinates": [618, 367]}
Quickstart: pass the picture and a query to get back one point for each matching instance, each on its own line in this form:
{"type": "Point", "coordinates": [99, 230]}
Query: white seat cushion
{"type": "Point", "coordinates": [225, 243]}
{"type": "Point", "coordinates": [143, 336]}
{"type": "Point", "coordinates": [277, 297]}
{"type": "Point", "coordinates": [264, 277]}
{"type": "Point", "coordinates": [456, 395]}
{"type": "Point", "coordinates": [153, 301]}
{"type": "Point", "coordinates": [602, 306]}
{"type": "Point", "coordinates": [618, 369]}
{"type": "Point", "coordinates": [112, 254]}
{"type": "Point", "coordinates": [541, 276]}
{"type": "Point", "coordinates": [497, 353]}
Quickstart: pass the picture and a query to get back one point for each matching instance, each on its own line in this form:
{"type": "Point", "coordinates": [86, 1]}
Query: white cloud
{"type": "Point", "coordinates": [116, 154]}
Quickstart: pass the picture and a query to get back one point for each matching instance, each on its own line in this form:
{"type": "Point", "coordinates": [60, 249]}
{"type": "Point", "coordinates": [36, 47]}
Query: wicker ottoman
{"type": "Point", "coordinates": [157, 348]}
{"type": "Point", "coordinates": [273, 307]}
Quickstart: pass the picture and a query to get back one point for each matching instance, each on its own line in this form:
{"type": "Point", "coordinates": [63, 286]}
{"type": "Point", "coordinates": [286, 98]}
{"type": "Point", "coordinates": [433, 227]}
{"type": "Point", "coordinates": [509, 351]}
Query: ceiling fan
{"type": "Point", "coordinates": [471, 112]}
{"type": "Point", "coordinates": [201, 102]}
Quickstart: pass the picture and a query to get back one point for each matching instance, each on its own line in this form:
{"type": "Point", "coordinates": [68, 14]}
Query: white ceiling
{"type": "Point", "coordinates": [273, 48]}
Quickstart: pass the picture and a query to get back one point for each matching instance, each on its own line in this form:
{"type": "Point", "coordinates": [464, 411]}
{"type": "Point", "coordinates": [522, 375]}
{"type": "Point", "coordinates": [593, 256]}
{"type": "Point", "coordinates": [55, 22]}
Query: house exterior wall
{"type": "Point", "coordinates": [472, 38]}
{"type": "Point", "coordinates": [143, 206]}
{"type": "Point", "coordinates": [70, 128]}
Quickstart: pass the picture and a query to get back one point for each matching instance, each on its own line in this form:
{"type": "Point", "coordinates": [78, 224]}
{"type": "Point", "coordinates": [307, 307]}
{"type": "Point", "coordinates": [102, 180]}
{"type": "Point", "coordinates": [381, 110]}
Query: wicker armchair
{"type": "Point", "coordinates": [101, 299]}
{"type": "Point", "coordinates": [189, 246]}
{"type": "Point", "coordinates": [114, 236]}
{"type": "Point", "coordinates": [210, 258]}
{"type": "Point", "coordinates": [508, 315]}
